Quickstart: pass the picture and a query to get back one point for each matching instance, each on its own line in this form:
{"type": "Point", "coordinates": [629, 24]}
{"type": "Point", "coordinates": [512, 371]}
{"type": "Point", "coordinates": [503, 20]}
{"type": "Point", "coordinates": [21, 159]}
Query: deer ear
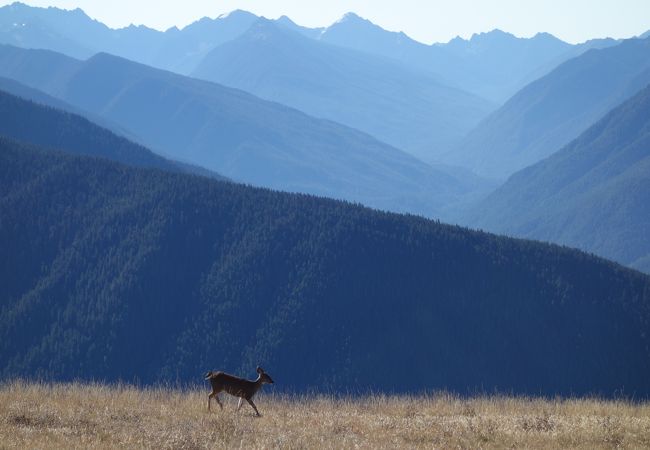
{"type": "Point", "coordinates": [260, 370]}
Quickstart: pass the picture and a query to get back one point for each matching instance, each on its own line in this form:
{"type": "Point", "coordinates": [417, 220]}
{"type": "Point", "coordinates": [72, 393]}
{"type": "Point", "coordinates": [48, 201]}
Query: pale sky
{"type": "Point", "coordinates": [425, 20]}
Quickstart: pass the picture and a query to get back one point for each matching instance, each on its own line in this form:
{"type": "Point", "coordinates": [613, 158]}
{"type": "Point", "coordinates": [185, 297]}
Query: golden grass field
{"type": "Point", "coordinates": [99, 416]}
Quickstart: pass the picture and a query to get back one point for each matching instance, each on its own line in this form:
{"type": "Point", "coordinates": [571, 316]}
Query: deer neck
{"type": "Point", "coordinates": [258, 383]}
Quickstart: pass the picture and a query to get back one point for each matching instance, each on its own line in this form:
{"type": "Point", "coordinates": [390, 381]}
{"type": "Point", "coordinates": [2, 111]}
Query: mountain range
{"type": "Point", "coordinates": [407, 108]}
{"type": "Point", "coordinates": [492, 65]}
{"type": "Point", "coordinates": [240, 136]}
{"type": "Point", "coordinates": [592, 194]}
{"type": "Point", "coordinates": [413, 96]}
{"type": "Point", "coordinates": [162, 210]}
{"type": "Point", "coordinates": [77, 35]}
{"type": "Point", "coordinates": [553, 110]}
{"type": "Point", "coordinates": [149, 276]}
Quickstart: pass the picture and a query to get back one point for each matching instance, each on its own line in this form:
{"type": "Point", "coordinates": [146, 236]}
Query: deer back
{"type": "Point", "coordinates": [233, 385]}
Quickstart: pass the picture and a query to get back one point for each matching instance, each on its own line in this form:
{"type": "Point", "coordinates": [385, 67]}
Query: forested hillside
{"type": "Point", "coordinates": [112, 272]}
{"type": "Point", "coordinates": [592, 194]}
{"type": "Point", "coordinates": [38, 124]}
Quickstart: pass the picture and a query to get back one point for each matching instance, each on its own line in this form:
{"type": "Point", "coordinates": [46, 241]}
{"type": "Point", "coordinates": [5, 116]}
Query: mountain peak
{"type": "Point", "coordinates": [264, 29]}
{"type": "Point", "coordinates": [492, 35]}
{"type": "Point", "coordinates": [544, 36]}
{"type": "Point", "coordinates": [17, 5]}
{"type": "Point", "coordinates": [351, 17]}
{"type": "Point", "coordinates": [236, 14]}
{"type": "Point", "coordinates": [285, 20]}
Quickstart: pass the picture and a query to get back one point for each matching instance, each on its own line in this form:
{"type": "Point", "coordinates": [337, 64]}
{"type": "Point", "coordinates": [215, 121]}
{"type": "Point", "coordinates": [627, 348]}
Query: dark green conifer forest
{"type": "Point", "coordinates": [115, 273]}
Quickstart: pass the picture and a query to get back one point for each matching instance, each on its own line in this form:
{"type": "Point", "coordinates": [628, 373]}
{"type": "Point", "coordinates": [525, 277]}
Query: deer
{"type": "Point", "coordinates": [239, 387]}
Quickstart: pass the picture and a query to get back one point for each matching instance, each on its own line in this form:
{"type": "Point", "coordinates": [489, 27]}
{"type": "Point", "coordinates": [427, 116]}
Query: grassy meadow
{"type": "Point", "coordinates": [100, 416]}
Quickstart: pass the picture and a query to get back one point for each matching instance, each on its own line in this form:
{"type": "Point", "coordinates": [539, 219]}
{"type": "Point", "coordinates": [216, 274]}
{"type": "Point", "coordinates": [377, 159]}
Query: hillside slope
{"type": "Point", "coordinates": [30, 122]}
{"type": "Point", "coordinates": [409, 109]}
{"type": "Point", "coordinates": [592, 194]}
{"type": "Point", "coordinates": [238, 135]}
{"type": "Point", "coordinates": [139, 274]}
{"type": "Point", "coordinates": [552, 111]}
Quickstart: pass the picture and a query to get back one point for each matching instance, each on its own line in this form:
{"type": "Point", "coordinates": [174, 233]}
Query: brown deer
{"type": "Point", "coordinates": [239, 387]}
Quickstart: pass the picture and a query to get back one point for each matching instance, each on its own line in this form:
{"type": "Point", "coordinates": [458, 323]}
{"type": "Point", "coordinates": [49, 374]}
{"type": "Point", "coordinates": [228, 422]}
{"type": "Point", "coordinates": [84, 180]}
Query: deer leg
{"type": "Point", "coordinates": [216, 397]}
{"type": "Point", "coordinates": [241, 401]}
{"type": "Point", "coordinates": [210, 398]}
{"type": "Point", "coordinates": [250, 401]}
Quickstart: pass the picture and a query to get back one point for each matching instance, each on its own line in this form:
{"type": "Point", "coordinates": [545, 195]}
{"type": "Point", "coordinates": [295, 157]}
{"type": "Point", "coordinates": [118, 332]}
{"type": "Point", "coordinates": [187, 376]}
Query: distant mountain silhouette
{"type": "Point", "coordinates": [286, 22]}
{"type": "Point", "coordinates": [492, 65]}
{"type": "Point", "coordinates": [592, 194]}
{"type": "Point", "coordinates": [49, 28]}
{"type": "Point", "coordinates": [355, 32]}
{"type": "Point", "coordinates": [406, 108]}
{"type": "Point", "coordinates": [182, 50]}
{"type": "Point", "coordinates": [149, 276]}
{"type": "Point", "coordinates": [550, 112]}
{"type": "Point", "coordinates": [75, 34]}
{"type": "Point", "coordinates": [573, 52]}
{"type": "Point", "coordinates": [239, 135]}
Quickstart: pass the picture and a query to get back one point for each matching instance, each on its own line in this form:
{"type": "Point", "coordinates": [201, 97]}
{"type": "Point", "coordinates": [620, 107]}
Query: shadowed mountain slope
{"type": "Point", "coordinates": [46, 126]}
{"type": "Point", "coordinates": [592, 194]}
{"type": "Point", "coordinates": [239, 135]}
{"type": "Point", "coordinates": [550, 112]}
{"type": "Point", "coordinates": [138, 274]}
{"type": "Point", "coordinates": [404, 107]}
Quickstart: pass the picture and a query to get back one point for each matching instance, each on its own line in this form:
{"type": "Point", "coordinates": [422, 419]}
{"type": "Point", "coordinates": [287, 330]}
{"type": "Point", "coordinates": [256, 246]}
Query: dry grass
{"type": "Point", "coordinates": [97, 416]}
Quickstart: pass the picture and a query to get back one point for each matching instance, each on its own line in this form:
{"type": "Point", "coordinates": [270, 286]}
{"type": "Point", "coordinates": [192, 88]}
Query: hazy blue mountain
{"type": "Point", "coordinates": [489, 64]}
{"type": "Point", "coordinates": [286, 22]}
{"type": "Point", "coordinates": [23, 91]}
{"type": "Point", "coordinates": [409, 109]}
{"type": "Point", "coordinates": [48, 28]}
{"type": "Point", "coordinates": [500, 62]}
{"type": "Point", "coordinates": [592, 194]}
{"type": "Point", "coordinates": [75, 34]}
{"type": "Point", "coordinates": [17, 89]}
{"type": "Point", "coordinates": [552, 111]}
{"type": "Point", "coordinates": [149, 276]}
{"type": "Point", "coordinates": [492, 65]}
{"type": "Point", "coordinates": [239, 135]}
{"type": "Point", "coordinates": [30, 122]}
{"type": "Point", "coordinates": [182, 50]}
{"type": "Point", "coordinates": [353, 31]}
{"type": "Point", "coordinates": [573, 52]}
